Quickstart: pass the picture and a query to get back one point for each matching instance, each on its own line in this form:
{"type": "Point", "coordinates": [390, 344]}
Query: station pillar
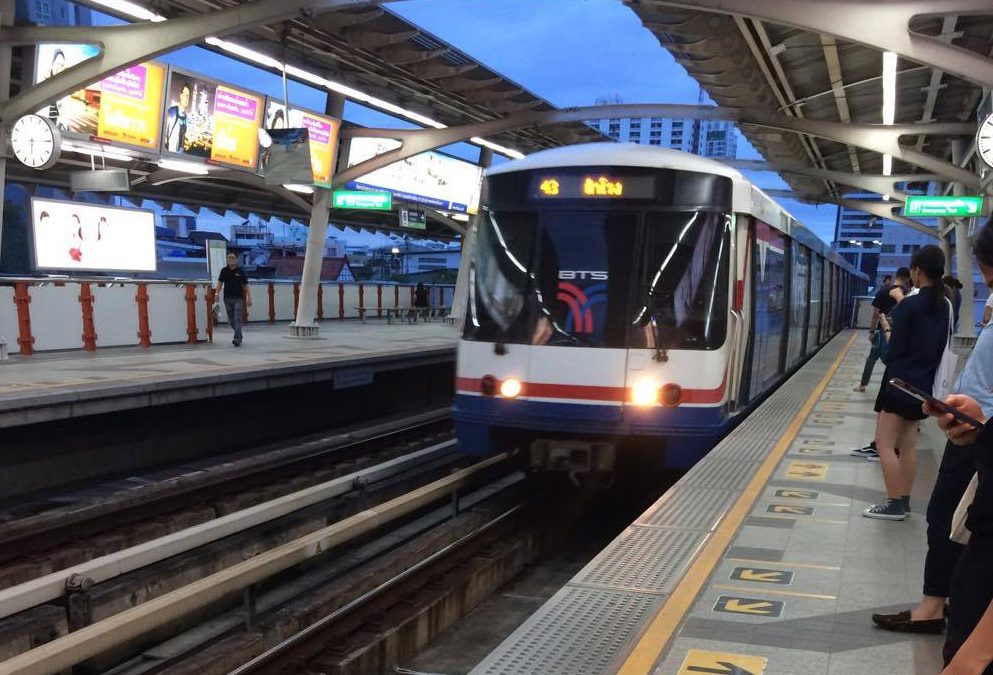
{"type": "Point", "coordinates": [460, 299]}
{"type": "Point", "coordinates": [6, 65]}
{"type": "Point", "coordinates": [963, 254]}
{"type": "Point", "coordinates": [305, 322]}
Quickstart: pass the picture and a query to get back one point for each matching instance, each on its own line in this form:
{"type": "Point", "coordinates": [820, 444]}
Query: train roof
{"type": "Point", "coordinates": [747, 198]}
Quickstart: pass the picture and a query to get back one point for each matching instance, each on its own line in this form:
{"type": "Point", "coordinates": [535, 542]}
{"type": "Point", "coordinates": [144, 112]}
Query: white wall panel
{"type": "Point", "coordinates": [283, 302]}
{"type": "Point", "coordinates": [56, 317]}
{"type": "Point", "coordinates": [202, 314]}
{"type": "Point", "coordinates": [115, 315]}
{"type": "Point", "coordinates": [351, 300]}
{"type": "Point", "coordinates": [167, 313]}
{"type": "Point", "coordinates": [8, 319]}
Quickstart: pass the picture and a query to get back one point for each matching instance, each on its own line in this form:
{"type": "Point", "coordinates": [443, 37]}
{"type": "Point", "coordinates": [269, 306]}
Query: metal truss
{"type": "Point", "coordinates": [126, 45]}
{"type": "Point", "coordinates": [871, 206]}
{"type": "Point", "coordinates": [881, 25]}
{"type": "Point", "coordinates": [880, 138]}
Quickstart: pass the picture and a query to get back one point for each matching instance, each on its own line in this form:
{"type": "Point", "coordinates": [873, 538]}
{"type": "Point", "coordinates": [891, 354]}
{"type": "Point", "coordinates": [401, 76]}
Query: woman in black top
{"type": "Point", "coordinates": [917, 336]}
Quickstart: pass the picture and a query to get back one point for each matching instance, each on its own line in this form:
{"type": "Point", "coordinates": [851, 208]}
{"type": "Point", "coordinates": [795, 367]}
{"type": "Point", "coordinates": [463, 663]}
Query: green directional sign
{"type": "Point", "coordinates": [943, 206]}
{"type": "Point", "coordinates": [361, 199]}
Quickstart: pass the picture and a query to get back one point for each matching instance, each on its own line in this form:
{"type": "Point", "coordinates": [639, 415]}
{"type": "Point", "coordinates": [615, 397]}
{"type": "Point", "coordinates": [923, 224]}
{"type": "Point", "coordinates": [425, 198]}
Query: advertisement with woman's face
{"type": "Point", "coordinates": [89, 237]}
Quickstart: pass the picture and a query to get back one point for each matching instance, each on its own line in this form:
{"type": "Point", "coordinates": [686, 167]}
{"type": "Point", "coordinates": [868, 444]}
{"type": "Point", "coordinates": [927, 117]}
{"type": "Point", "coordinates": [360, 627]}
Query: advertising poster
{"type": "Point", "coordinates": [212, 121]}
{"type": "Point", "coordinates": [323, 132]}
{"type": "Point", "coordinates": [91, 237]}
{"type": "Point", "coordinates": [125, 107]}
{"type": "Point", "coordinates": [440, 181]}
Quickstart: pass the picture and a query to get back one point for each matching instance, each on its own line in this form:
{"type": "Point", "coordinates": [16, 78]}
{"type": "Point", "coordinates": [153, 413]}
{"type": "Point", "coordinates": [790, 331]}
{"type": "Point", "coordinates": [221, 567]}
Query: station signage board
{"type": "Point", "coordinates": [323, 137]}
{"type": "Point", "coordinates": [125, 107]}
{"type": "Point", "coordinates": [414, 219]}
{"type": "Point", "coordinates": [943, 206]}
{"type": "Point", "coordinates": [210, 120]}
{"type": "Point", "coordinates": [430, 178]}
{"type": "Point", "coordinates": [371, 200]}
{"type": "Point", "coordinates": [76, 236]}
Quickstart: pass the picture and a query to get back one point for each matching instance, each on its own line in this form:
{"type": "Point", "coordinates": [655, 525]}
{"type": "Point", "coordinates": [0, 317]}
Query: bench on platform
{"type": "Point", "coordinates": [411, 314]}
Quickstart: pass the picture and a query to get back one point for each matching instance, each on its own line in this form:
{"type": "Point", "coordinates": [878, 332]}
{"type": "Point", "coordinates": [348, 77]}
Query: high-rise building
{"type": "Point", "coordinates": [707, 138]}
{"type": "Point", "coordinates": [51, 13]}
{"type": "Point", "coordinates": [858, 236]}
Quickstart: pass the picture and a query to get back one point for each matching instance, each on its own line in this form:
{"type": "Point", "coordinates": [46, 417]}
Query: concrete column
{"type": "Point", "coordinates": [6, 64]}
{"type": "Point", "coordinates": [461, 296]}
{"type": "Point", "coordinates": [963, 253]}
{"type": "Point", "coordinates": [305, 324]}
{"type": "Point", "coordinates": [946, 248]}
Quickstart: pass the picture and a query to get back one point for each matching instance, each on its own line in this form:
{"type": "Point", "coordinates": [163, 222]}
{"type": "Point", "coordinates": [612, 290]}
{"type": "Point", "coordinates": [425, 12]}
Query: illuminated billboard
{"type": "Point", "coordinates": [323, 134]}
{"type": "Point", "coordinates": [213, 121]}
{"type": "Point", "coordinates": [75, 236]}
{"type": "Point", "coordinates": [125, 107]}
{"type": "Point", "coordinates": [440, 181]}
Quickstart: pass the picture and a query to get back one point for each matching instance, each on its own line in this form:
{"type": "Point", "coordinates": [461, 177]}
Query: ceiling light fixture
{"type": "Point", "coordinates": [185, 167]}
{"type": "Point", "coordinates": [105, 153]}
{"type": "Point", "coordinates": [302, 189]}
{"type": "Point", "coordinates": [131, 9]}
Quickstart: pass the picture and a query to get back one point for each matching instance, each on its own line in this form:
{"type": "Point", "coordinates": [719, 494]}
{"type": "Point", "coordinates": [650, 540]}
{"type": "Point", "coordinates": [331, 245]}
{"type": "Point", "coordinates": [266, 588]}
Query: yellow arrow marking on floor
{"type": "Point", "coordinates": [767, 576]}
{"type": "Point", "coordinates": [748, 606]}
{"type": "Point", "coordinates": [807, 471]}
{"type": "Point", "coordinates": [797, 494]}
{"type": "Point", "coordinates": [698, 661]}
{"type": "Point", "coordinates": [792, 510]}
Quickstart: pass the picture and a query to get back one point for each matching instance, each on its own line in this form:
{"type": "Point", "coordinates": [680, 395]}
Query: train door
{"type": "Point", "coordinates": [799, 290]}
{"type": "Point", "coordinates": [769, 309]}
{"type": "Point", "coordinates": [816, 281]}
{"type": "Point", "coordinates": [740, 332]}
{"type": "Point", "coordinates": [583, 275]}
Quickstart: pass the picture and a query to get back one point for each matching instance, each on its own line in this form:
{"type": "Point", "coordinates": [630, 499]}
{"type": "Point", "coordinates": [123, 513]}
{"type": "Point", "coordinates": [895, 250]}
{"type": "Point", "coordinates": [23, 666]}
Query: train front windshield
{"type": "Point", "coordinates": [633, 275]}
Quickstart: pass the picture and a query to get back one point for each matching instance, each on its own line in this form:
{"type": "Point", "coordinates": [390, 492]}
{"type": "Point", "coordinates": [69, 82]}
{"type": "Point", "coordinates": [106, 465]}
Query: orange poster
{"type": "Point", "coordinates": [131, 106]}
{"type": "Point", "coordinates": [236, 127]}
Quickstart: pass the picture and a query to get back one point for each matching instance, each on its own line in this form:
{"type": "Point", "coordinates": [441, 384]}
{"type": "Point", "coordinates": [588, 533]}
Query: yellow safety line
{"type": "Point", "coordinates": [782, 563]}
{"type": "Point", "coordinates": [767, 589]}
{"type": "Point", "coordinates": [805, 519]}
{"type": "Point", "coordinates": [643, 656]}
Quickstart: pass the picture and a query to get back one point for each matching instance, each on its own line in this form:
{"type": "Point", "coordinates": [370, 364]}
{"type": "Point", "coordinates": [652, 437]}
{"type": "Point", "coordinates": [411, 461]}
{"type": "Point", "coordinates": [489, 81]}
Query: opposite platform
{"type": "Point", "coordinates": [758, 561]}
{"type": "Point", "coordinates": [52, 386]}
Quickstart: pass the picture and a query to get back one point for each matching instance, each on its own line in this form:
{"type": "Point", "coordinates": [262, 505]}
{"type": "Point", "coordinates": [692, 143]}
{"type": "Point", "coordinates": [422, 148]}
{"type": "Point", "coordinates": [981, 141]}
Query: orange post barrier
{"type": "Point", "coordinates": [361, 296]}
{"type": "Point", "coordinates": [379, 301]}
{"type": "Point", "coordinates": [144, 330]}
{"type": "Point", "coordinates": [209, 296]}
{"type": "Point", "coordinates": [320, 302]}
{"type": "Point", "coordinates": [341, 301]}
{"type": "Point", "coordinates": [296, 299]}
{"type": "Point", "coordinates": [396, 296]}
{"type": "Point", "coordinates": [272, 303]}
{"type": "Point", "coordinates": [89, 329]}
{"type": "Point", "coordinates": [191, 314]}
{"type": "Point", "coordinates": [22, 299]}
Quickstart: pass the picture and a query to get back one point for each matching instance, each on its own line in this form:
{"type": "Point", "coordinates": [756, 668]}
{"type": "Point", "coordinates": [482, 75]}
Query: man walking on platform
{"type": "Point", "coordinates": [237, 294]}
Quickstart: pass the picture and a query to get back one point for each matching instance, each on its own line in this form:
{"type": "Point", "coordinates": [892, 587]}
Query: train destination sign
{"type": "Point", "coordinates": [592, 186]}
{"type": "Point", "coordinates": [362, 199]}
{"type": "Point", "coordinates": [943, 206]}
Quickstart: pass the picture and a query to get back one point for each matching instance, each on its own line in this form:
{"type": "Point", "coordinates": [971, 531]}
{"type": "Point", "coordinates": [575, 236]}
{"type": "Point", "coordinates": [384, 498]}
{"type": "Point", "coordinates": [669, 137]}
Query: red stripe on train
{"type": "Point", "coordinates": [471, 385]}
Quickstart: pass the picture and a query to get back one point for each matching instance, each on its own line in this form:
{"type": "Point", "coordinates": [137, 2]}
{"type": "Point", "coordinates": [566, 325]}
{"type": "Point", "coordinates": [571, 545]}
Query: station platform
{"type": "Point", "coordinates": [758, 561]}
{"type": "Point", "coordinates": [57, 385]}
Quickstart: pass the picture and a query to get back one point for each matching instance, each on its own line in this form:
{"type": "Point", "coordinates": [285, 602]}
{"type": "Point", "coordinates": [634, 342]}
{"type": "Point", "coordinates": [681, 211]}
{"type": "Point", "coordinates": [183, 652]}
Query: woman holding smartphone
{"type": "Point", "coordinates": [917, 336]}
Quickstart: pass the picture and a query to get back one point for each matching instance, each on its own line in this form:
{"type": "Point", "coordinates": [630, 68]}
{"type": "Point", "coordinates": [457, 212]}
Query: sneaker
{"type": "Point", "coordinates": [891, 510]}
{"type": "Point", "coordinates": [864, 451]}
{"type": "Point", "coordinates": [872, 456]}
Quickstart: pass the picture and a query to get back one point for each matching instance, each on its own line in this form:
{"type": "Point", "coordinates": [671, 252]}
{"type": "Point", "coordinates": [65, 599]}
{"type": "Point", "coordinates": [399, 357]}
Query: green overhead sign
{"type": "Point", "coordinates": [945, 207]}
{"type": "Point", "coordinates": [361, 199]}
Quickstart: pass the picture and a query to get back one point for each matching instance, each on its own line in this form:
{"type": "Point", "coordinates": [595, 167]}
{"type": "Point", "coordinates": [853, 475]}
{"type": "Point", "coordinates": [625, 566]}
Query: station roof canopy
{"type": "Point", "coordinates": [372, 50]}
{"type": "Point", "coordinates": [748, 63]}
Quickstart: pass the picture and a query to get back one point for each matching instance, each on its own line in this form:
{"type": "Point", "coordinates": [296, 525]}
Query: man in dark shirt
{"type": "Point", "coordinates": [236, 292]}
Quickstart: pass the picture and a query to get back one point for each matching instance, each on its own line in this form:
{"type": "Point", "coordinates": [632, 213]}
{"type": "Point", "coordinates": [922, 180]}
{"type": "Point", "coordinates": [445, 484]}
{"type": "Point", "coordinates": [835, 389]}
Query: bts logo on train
{"type": "Point", "coordinates": [581, 275]}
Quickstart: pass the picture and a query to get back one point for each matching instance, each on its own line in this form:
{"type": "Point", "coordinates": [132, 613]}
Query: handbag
{"type": "Point", "coordinates": [945, 374]}
{"type": "Point", "coordinates": [960, 533]}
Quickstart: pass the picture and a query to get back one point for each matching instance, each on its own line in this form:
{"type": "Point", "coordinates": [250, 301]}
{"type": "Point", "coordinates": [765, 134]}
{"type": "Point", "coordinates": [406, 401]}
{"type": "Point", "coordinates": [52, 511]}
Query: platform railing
{"type": "Point", "coordinates": [46, 314]}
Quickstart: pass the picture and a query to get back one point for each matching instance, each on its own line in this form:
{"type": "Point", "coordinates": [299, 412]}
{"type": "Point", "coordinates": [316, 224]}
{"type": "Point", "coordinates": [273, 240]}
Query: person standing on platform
{"type": "Point", "coordinates": [917, 339]}
{"type": "Point", "coordinates": [237, 294]}
{"type": "Point", "coordinates": [958, 464]}
{"type": "Point", "coordinates": [954, 290]}
{"type": "Point", "coordinates": [421, 296]}
{"type": "Point", "coordinates": [881, 304]}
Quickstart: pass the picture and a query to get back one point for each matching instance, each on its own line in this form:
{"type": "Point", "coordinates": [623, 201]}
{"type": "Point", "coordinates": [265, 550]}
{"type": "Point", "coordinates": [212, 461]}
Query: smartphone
{"type": "Point", "coordinates": [935, 403]}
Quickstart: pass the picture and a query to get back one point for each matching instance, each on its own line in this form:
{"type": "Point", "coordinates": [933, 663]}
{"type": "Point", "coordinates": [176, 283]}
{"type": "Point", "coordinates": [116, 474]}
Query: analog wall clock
{"type": "Point", "coordinates": [35, 141]}
{"type": "Point", "coordinates": [984, 140]}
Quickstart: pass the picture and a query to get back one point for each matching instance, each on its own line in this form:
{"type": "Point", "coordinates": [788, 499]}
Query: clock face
{"type": "Point", "coordinates": [984, 140]}
{"type": "Point", "coordinates": [35, 141]}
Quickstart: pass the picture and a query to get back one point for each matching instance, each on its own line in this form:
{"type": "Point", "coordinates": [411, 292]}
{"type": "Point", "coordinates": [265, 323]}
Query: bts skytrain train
{"type": "Point", "coordinates": [624, 291]}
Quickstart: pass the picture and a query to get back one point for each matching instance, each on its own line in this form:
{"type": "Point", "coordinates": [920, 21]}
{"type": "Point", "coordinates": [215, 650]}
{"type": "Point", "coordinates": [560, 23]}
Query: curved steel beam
{"type": "Point", "coordinates": [164, 176]}
{"type": "Point", "coordinates": [870, 206]}
{"type": "Point", "coordinates": [880, 25]}
{"type": "Point", "coordinates": [881, 138]}
{"type": "Point", "coordinates": [884, 185]}
{"type": "Point", "coordinates": [126, 45]}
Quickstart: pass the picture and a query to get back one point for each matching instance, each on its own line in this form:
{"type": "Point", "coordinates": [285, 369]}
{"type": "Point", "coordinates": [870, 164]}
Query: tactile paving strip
{"type": "Point", "coordinates": [720, 473]}
{"type": "Point", "coordinates": [643, 559]}
{"type": "Point", "coordinates": [579, 630]}
{"type": "Point", "coordinates": [688, 508]}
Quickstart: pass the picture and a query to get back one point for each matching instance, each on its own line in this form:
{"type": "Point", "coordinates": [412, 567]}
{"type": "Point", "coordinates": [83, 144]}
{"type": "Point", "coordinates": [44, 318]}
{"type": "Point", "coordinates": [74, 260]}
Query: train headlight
{"type": "Point", "coordinates": [510, 388]}
{"type": "Point", "coordinates": [488, 385]}
{"type": "Point", "coordinates": [645, 392]}
{"type": "Point", "coordinates": [672, 395]}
